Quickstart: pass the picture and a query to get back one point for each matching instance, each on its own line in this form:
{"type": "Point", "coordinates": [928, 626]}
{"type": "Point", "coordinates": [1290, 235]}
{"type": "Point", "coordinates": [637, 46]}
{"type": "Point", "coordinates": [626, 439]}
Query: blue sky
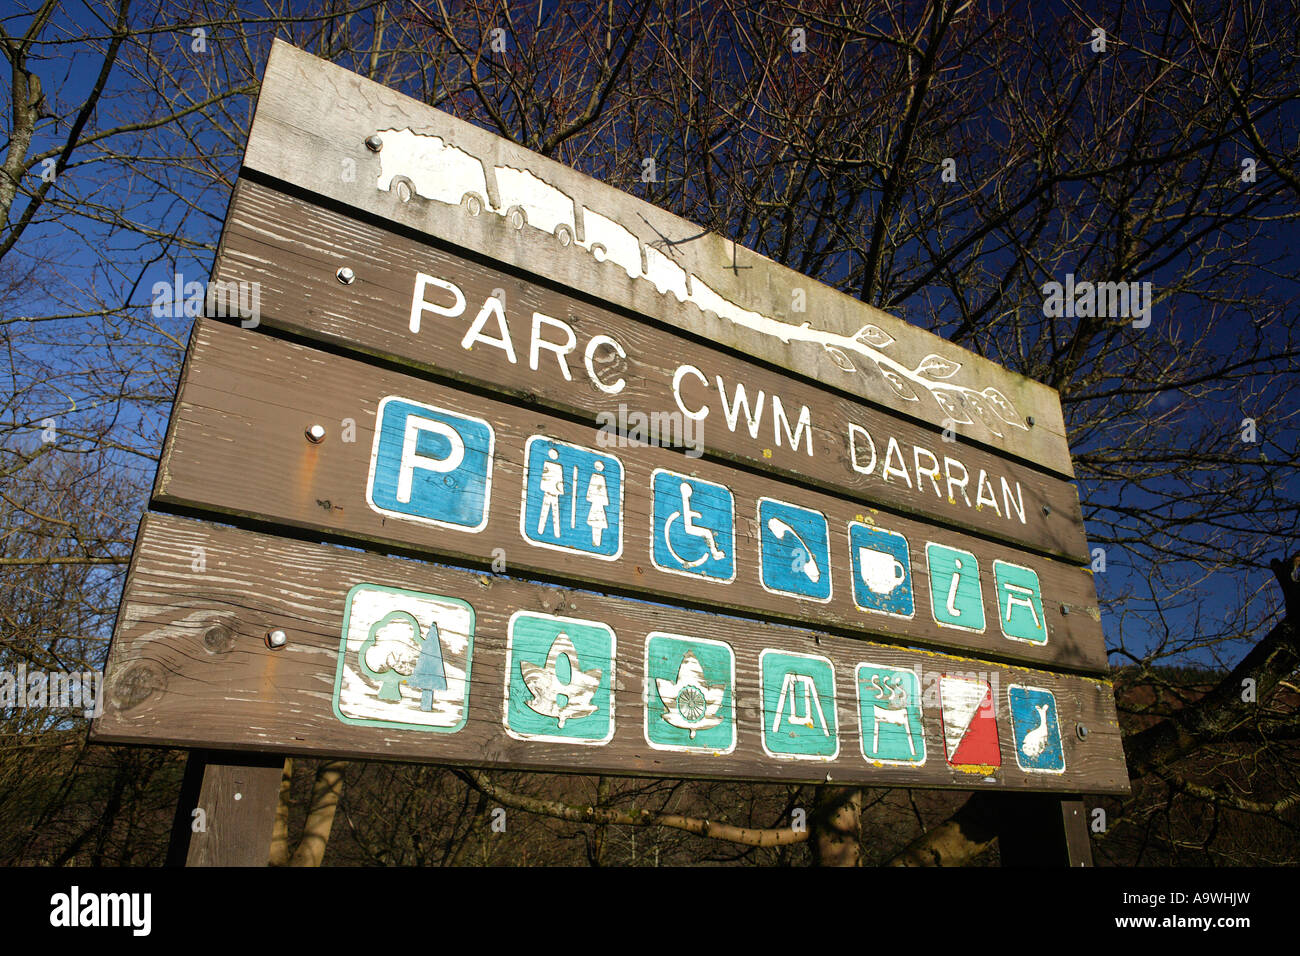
{"type": "Point", "coordinates": [179, 186]}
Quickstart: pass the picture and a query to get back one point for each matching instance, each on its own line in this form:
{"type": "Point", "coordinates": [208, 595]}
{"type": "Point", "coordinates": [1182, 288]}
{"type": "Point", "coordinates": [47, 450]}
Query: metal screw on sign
{"type": "Point", "coordinates": [1029, 420]}
{"type": "Point", "coordinates": [1047, 509]}
{"type": "Point", "coordinates": [1065, 609]}
{"type": "Point", "coordinates": [374, 143]}
{"type": "Point", "coordinates": [1082, 731]}
{"type": "Point", "coordinates": [346, 275]}
{"type": "Point", "coordinates": [276, 639]}
{"type": "Point", "coordinates": [315, 434]}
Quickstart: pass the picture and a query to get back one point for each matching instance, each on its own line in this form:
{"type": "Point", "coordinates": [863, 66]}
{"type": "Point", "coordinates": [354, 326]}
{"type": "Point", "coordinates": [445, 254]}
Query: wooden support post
{"type": "Point", "coordinates": [1042, 830]}
{"type": "Point", "coordinates": [237, 793]}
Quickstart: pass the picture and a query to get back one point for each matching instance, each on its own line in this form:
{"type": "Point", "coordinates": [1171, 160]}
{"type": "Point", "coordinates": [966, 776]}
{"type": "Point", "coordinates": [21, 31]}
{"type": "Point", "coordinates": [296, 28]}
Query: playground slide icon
{"type": "Point", "coordinates": [799, 706]}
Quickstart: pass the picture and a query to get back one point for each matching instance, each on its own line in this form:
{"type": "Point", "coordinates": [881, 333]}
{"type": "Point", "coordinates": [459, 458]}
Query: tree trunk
{"type": "Point", "coordinates": [280, 831]}
{"type": "Point", "coordinates": [960, 838]}
{"type": "Point", "coordinates": [836, 826]}
{"type": "Point", "coordinates": [324, 801]}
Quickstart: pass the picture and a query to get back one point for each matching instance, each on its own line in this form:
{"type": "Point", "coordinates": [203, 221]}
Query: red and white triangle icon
{"type": "Point", "coordinates": [970, 727]}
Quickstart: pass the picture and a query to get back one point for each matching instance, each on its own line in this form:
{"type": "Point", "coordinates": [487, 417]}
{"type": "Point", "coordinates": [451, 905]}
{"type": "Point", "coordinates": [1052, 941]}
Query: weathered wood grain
{"type": "Point", "coordinates": [237, 446]}
{"type": "Point", "coordinates": [189, 665]}
{"type": "Point", "coordinates": [237, 794]}
{"type": "Point", "coordinates": [310, 128]}
{"type": "Point", "coordinates": [291, 250]}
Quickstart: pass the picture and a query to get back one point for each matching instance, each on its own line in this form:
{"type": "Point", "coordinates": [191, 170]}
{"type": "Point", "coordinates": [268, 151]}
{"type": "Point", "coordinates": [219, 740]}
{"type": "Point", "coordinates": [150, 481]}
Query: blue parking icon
{"type": "Point", "coordinates": [431, 465]}
{"type": "Point", "coordinates": [573, 499]}
{"type": "Point", "coordinates": [795, 546]}
{"type": "Point", "coordinates": [693, 528]}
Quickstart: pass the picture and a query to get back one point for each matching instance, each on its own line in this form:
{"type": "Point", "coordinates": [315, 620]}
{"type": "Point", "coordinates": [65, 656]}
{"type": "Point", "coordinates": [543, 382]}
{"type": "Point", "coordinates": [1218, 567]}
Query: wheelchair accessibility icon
{"type": "Point", "coordinates": [694, 526]}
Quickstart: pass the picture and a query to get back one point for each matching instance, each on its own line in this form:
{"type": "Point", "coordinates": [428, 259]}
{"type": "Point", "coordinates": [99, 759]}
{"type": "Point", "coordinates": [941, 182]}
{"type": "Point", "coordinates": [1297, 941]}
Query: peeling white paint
{"type": "Point", "coordinates": [438, 170]}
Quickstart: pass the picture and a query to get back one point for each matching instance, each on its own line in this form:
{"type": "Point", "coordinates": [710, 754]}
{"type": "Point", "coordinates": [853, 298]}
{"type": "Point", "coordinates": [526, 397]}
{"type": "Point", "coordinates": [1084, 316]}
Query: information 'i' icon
{"type": "Point", "coordinates": [956, 598]}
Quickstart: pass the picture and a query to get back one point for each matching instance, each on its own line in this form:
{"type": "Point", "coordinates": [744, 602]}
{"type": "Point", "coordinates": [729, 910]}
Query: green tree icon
{"type": "Point", "coordinates": [429, 673]}
{"type": "Point", "coordinates": [398, 662]}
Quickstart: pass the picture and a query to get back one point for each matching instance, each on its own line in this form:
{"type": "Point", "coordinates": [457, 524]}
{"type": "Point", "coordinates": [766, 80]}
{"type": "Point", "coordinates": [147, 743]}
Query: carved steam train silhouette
{"type": "Point", "coordinates": [426, 165]}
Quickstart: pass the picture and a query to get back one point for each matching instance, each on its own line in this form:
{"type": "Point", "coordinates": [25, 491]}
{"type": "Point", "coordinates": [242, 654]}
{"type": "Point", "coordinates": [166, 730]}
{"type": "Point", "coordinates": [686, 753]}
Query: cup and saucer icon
{"type": "Point", "coordinates": [880, 570]}
{"type": "Point", "coordinates": [882, 578]}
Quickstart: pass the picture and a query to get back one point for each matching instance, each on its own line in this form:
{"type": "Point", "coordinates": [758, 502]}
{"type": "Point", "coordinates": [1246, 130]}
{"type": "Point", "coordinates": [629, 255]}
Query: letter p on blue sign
{"type": "Point", "coordinates": [431, 465]}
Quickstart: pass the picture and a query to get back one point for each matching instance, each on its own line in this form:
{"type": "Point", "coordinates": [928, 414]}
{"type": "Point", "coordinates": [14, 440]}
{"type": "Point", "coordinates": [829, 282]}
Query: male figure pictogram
{"type": "Point", "coordinates": [552, 486]}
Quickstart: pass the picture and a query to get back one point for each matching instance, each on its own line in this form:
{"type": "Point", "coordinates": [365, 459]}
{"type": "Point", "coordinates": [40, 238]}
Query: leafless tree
{"type": "Point", "coordinates": [941, 160]}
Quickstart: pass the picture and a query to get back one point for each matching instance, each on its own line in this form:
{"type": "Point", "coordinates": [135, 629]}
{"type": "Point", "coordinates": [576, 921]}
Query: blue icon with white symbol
{"type": "Point", "coordinates": [693, 531]}
{"type": "Point", "coordinates": [1036, 729]}
{"type": "Point", "coordinates": [882, 570]}
{"type": "Point", "coordinates": [431, 465]}
{"type": "Point", "coordinates": [795, 550]}
{"type": "Point", "coordinates": [573, 499]}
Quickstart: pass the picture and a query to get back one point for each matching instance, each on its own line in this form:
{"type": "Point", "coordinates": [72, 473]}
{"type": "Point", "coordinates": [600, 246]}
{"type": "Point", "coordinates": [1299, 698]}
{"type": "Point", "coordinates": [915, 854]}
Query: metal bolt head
{"type": "Point", "coordinates": [374, 143]}
{"type": "Point", "coordinates": [276, 639]}
{"type": "Point", "coordinates": [315, 434]}
{"type": "Point", "coordinates": [1065, 609]}
{"type": "Point", "coordinates": [346, 275]}
{"type": "Point", "coordinates": [1047, 509]}
{"type": "Point", "coordinates": [1082, 731]}
{"type": "Point", "coordinates": [1029, 420]}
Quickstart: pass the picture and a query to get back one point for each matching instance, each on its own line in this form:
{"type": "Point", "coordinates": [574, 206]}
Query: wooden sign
{"type": "Point", "coordinates": [428, 308]}
{"type": "Point", "coordinates": [461, 353]}
{"type": "Point", "coordinates": [432, 470]}
{"type": "Point", "coordinates": [436, 175]}
{"type": "Point", "coordinates": [388, 658]}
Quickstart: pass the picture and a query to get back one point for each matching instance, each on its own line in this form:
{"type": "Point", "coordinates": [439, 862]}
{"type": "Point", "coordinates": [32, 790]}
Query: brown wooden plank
{"type": "Point", "coordinates": [310, 128]}
{"type": "Point", "coordinates": [190, 665]}
{"type": "Point", "coordinates": [238, 447]}
{"type": "Point", "coordinates": [237, 794]}
{"type": "Point", "coordinates": [291, 250]}
{"type": "Point", "coordinates": [1078, 842]}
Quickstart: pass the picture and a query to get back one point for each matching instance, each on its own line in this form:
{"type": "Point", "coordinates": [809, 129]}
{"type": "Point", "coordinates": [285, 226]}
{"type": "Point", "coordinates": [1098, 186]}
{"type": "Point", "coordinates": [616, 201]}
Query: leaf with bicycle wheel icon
{"type": "Point", "coordinates": [688, 694]}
